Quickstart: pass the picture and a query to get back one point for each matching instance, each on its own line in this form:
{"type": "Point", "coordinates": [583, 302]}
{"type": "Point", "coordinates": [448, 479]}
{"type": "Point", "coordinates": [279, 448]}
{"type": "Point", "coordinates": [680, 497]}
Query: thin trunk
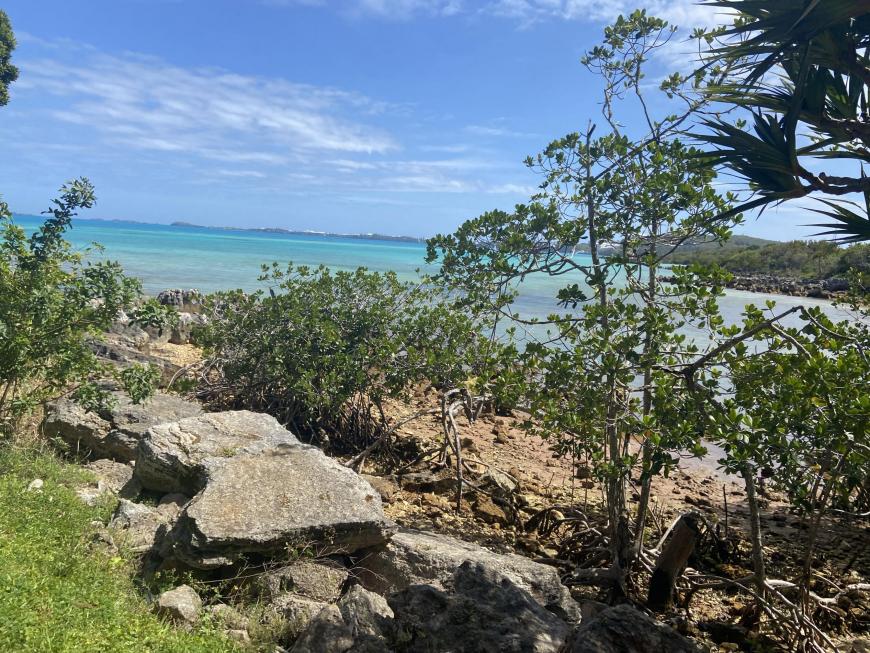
{"type": "Point", "coordinates": [755, 529]}
{"type": "Point", "coordinates": [672, 561]}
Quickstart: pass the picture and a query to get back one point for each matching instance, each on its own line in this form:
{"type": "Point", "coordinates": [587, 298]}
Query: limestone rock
{"type": "Point", "coordinates": [114, 433]}
{"type": "Point", "coordinates": [385, 486]}
{"type": "Point", "coordinates": [415, 557]}
{"type": "Point", "coordinates": [123, 352]}
{"type": "Point", "coordinates": [627, 630]}
{"type": "Point", "coordinates": [189, 300]}
{"type": "Point", "coordinates": [173, 456]}
{"type": "Point", "coordinates": [263, 502]}
{"type": "Point", "coordinates": [140, 528]}
{"type": "Point", "coordinates": [110, 478]}
{"type": "Point", "coordinates": [181, 605]}
{"type": "Point", "coordinates": [320, 581]}
{"type": "Point", "coordinates": [356, 623]}
{"type": "Point", "coordinates": [485, 613]}
{"type": "Point", "coordinates": [297, 611]}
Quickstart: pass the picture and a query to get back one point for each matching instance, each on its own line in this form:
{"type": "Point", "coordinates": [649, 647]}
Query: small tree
{"type": "Point", "coordinates": [596, 384]}
{"type": "Point", "coordinates": [51, 301]}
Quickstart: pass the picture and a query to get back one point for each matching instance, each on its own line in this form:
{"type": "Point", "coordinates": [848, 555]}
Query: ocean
{"type": "Point", "coordinates": [164, 256]}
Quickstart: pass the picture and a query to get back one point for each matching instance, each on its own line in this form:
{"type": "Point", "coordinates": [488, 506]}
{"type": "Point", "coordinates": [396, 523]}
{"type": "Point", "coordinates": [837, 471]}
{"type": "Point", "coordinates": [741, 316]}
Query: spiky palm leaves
{"type": "Point", "coordinates": [802, 68]}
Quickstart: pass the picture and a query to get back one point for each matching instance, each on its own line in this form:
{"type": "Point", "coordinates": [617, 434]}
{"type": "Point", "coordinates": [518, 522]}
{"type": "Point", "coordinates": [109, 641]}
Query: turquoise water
{"type": "Point", "coordinates": [163, 257]}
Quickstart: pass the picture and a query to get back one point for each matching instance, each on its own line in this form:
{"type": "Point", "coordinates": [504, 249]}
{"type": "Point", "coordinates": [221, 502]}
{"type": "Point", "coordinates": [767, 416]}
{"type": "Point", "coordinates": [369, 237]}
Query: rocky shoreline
{"type": "Point", "coordinates": [773, 285]}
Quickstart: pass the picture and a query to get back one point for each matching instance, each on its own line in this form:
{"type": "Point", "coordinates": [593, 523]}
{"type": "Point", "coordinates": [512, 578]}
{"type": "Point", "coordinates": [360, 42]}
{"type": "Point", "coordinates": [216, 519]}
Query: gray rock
{"type": "Point", "coordinates": [110, 479]}
{"type": "Point", "coordinates": [228, 616]}
{"type": "Point", "coordinates": [413, 557]}
{"type": "Point", "coordinates": [268, 500]}
{"type": "Point", "coordinates": [123, 352]}
{"type": "Point", "coordinates": [297, 611]}
{"type": "Point", "coordinates": [140, 528]}
{"type": "Point", "coordinates": [627, 630]}
{"type": "Point", "coordinates": [114, 433]}
{"type": "Point", "coordinates": [173, 456]}
{"type": "Point", "coordinates": [320, 581]}
{"type": "Point", "coordinates": [181, 605]}
{"type": "Point", "coordinates": [189, 300]}
{"type": "Point", "coordinates": [485, 613]}
{"type": "Point", "coordinates": [356, 623]}
{"type": "Point", "coordinates": [182, 331]}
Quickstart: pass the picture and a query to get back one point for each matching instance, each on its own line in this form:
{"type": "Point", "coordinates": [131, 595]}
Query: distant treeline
{"type": "Point", "coordinates": [798, 259]}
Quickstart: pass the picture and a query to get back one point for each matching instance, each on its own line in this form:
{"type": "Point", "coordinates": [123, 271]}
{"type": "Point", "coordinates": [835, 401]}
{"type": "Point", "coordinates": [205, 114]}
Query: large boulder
{"type": "Point", "coordinates": [113, 433]}
{"type": "Point", "coordinates": [265, 502]}
{"type": "Point", "coordinates": [189, 300]}
{"type": "Point", "coordinates": [486, 612]}
{"type": "Point", "coordinates": [413, 557]}
{"type": "Point", "coordinates": [173, 457]}
{"type": "Point", "coordinates": [358, 623]}
{"type": "Point", "coordinates": [627, 630]}
{"type": "Point", "coordinates": [259, 490]}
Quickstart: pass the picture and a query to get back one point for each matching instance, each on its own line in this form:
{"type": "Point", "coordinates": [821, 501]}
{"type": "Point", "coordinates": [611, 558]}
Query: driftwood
{"type": "Point", "coordinates": [685, 535]}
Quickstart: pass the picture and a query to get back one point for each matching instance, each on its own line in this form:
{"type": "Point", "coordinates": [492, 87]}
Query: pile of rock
{"type": "Point", "coordinates": [236, 489]}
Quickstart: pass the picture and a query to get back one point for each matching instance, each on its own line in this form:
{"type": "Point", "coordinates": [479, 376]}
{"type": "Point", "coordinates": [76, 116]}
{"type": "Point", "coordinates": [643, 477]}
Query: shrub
{"type": "Point", "coordinates": [51, 301]}
{"type": "Point", "coordinates": [323, 350]}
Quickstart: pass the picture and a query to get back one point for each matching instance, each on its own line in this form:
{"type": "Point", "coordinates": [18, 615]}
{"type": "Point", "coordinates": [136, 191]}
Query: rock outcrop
{"type": "Point", "coordinates": [627, 630]}
{"type": "Point", "coordinates": [257, 490]}
{"type": "Point", "coordinates": [111, 478]}
{"type": "Point", "coordinates": [114, 433]}
{"type": "Point", "coordinates": [485, 612]}
{"type": "Point", "coordinates": [413, 557]}
{"type": "Point", "coordinates": [139, 528]}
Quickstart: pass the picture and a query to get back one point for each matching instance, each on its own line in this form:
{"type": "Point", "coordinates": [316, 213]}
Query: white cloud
{"type": "Point", "coordinates": [147, 103]}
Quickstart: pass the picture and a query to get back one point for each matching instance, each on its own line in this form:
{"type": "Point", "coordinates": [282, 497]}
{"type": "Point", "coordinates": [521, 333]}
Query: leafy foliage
{"type": "Point", "coordinates": [322, 350]}
{"type": "Point", "coordinates": [595, 383]}
{"type": "Point", "coordinates": [797, 259]}
{"type": "Point", "coordinates": [8, 72]}
{"type": "Point", "coordinates": [51, 301]}
{"type": "Point", "coordinates": [799, 67]}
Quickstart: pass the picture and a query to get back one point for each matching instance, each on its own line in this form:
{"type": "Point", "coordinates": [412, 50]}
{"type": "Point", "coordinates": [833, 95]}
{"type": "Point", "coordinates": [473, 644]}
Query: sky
{"type": "Point", "coordinates": [402, 117]}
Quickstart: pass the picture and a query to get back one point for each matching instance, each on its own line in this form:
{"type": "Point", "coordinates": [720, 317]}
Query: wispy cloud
{"type": "Point", "coordinates": [147, 103]}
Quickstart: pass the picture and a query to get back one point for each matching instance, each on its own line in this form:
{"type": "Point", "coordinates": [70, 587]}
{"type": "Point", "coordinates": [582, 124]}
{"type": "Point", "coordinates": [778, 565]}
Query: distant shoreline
{"type": "Point", "coordinates": [306, 232]}
{"type": "Point", "coordinates": [265, 230]}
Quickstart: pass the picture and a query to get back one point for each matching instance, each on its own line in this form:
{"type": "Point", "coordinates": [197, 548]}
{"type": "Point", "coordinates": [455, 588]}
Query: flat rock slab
{"type": "Point", "coordinates": [266, 502]}
{"type": "Point", "coordinates": [174, 457]}
{"type": "Point", "coordinates": [413, 557]}
{"type": "Point", "coordinates": [114, 433]}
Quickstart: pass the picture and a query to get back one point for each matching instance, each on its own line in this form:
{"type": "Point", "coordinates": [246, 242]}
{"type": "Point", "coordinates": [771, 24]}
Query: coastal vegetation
{"type": "Point", "coordinates": [796, 259]}
{"type": "Point", "coordinates": [629, 376]}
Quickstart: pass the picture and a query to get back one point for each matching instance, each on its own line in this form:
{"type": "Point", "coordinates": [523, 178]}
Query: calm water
{"type": "Point", "coordinates": [209, 259]}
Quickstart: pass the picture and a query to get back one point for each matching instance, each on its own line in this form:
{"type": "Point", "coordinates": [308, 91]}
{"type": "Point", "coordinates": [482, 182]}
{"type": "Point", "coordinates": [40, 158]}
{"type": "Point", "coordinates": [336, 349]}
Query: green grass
{"type": "Point", "coordinates": [56, 593]}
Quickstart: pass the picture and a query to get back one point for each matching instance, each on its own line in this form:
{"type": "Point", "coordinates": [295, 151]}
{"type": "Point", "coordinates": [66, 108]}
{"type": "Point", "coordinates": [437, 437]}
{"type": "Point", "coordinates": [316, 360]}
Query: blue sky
{"type": "Point", "coordinates": [395, 116]}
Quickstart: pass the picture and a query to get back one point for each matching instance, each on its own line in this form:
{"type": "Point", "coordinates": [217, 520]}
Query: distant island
{"type": "Point", "coordinates": [308, 232]}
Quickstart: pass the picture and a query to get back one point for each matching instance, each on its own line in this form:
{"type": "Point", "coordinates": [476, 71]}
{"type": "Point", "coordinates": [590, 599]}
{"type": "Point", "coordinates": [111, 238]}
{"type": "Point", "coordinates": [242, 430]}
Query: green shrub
{"type": "Point", "coordinates": [51, 301]}
{"type": "Point", "coordinates": [323, 350]}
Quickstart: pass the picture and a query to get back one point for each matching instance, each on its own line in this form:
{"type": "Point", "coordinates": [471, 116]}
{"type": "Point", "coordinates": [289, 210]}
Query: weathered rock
{"type": "Point", "coordinates": [181, 332]}
{"type": "Point", "coordinates": [114, 433]}
{"type": "Point", "coordinates": [428, 482]}
{"type": "Point", "coordinates": [627, 630]}
{"type": "Point", "coordinates": [320, 581]}
{"type": "Point", "coordinates": [486, 612]}
{"type": "Point", "coordinates": [139, 528]}
{"type": "Point", "coordinates": [189, 300]}
{"type": "Point", "coordinates": [173, 457]}
{"type": "Point", "coordinates": [264, 502]}
{"type": "Point", "coordinates": [489, 511]}
{"type": "Point", "coordinates": [181, 605]}
{"type": "Point", "coordinates": [297, 611]}
{"type": "Point", "coordinates": [356, 623]}
{"type": "Point", "coordinates": [228, 616]}
{"type": "Point", "coordinates": [123, 352]}
{"type": "Point", "coordinates": [111, 478]}
{"type": "Point", "coordinates": [415, 557]}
